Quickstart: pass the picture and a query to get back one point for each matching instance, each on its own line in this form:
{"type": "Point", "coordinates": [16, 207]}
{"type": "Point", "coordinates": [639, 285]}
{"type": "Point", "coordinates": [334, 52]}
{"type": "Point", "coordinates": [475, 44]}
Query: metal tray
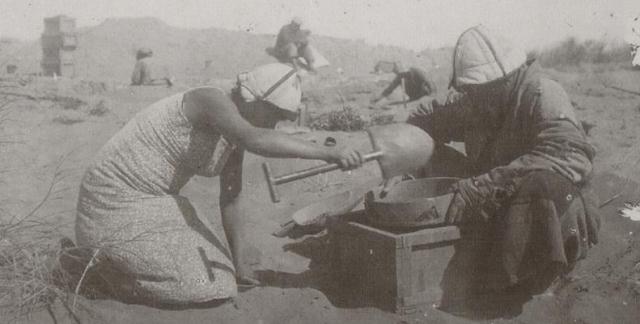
{"type": "Point", "coordinates": [411, 203]}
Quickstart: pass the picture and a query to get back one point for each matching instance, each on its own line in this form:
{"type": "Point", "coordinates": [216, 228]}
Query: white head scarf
{"type": "Point", "coordinates": [276, 83]}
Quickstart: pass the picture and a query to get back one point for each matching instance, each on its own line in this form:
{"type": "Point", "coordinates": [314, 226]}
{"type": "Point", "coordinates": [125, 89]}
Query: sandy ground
{"type": "Point", "coordinates": [604, 288]}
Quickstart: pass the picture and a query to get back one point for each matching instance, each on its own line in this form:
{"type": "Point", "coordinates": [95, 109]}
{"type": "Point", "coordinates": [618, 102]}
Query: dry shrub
{"type": "Point", "coordinates": [347, 119]}
{"type": "Point", "coordinates": [98, 109]}
{"type": "Point", "coordinates": [28, 254]}
{"type": "Point", "coordinates": [381, 119]}
{"type": "Point", "coordinates": [573, 53]}
{"type": "Point", "coordinates": [68, 103]}
{"type": "Point", "coordinates": [27, 257]}
{"type": "Point", "coordinates": [68, 119]}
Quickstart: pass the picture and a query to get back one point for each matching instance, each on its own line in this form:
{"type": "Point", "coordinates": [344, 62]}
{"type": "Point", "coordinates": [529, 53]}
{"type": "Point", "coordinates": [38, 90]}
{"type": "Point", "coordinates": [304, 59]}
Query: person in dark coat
{"type": "Point", "coordinates": [528, 160]}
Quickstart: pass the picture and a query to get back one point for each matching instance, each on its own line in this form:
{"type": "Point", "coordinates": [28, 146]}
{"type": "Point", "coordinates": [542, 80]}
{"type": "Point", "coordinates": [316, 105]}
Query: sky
{"type": "Point", "coordinates": [414, 24]}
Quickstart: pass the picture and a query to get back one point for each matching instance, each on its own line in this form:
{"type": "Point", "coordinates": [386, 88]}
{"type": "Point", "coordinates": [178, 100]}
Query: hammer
{"type": "Point", "coordinates": [398, 148]}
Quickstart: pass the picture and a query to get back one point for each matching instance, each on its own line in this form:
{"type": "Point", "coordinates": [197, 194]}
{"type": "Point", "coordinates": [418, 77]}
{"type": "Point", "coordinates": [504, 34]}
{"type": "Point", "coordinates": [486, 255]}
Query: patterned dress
{"type": "Point", "coordinates": [130, 210]}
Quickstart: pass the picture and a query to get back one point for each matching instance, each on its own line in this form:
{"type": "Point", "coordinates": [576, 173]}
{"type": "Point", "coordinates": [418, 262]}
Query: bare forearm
{"type": "Point", "coordinates": [275, 144]}
{"type": "Point", "coordinates": [394, 84]}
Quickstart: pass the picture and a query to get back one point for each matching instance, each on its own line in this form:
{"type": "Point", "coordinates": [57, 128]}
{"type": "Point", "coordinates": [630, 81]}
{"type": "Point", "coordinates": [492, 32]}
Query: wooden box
{"type": "Point", "coordinates": [67, 70]}
{"type": "Point", "coordinates": [402, 272]}
{"type": "Point", "coordinates": [59, 41]}
{"type": "Point", "coordinates": [59, 25]}
{"type": "Point", "coordinates": [58, 56]}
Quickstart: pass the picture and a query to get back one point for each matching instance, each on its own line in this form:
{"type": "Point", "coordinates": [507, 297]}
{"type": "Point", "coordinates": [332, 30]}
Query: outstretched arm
{"type": "Point", "coordinates": [218, 111]}
{"type": "Point", "coordinates": [387, 91]}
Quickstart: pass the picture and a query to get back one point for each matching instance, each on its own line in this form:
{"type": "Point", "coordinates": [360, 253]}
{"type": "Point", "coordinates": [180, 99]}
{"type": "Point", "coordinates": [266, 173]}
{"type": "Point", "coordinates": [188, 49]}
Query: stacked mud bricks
{"type": "Point", "coordinates": [59, 41]}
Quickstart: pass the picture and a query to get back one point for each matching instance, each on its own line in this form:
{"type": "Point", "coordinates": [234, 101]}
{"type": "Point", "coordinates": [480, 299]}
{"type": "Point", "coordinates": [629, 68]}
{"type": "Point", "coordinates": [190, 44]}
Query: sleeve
{"type": "Point", "coordinates": [444, 123]}
{"type": "Point", "coordinates": [429, 87]}
{"type": "Point", "coordinates": [394, 84]}
{"type": "Point", "coordinates": [559, 145]}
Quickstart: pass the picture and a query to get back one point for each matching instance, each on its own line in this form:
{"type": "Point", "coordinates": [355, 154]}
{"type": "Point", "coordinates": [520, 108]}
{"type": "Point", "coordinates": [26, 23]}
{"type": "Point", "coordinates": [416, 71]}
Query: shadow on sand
{"type": "Point", "coordinates": [464, 282]}
{"type": "Point", "coordinates": [456, 285]}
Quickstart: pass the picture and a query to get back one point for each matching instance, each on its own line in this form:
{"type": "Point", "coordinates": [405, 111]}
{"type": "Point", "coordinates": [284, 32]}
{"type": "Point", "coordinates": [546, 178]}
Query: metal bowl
{"type": "Point", "coordinates": [411, 203]}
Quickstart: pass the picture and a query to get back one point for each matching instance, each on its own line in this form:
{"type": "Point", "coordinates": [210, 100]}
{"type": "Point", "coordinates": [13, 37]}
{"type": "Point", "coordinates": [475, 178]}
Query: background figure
{"type": "Point", "coordinates": [292, 44]}
{"type": "Point", "coordinates": [416, 83]}
{"type": "Point", "coordinates": [142, 70]}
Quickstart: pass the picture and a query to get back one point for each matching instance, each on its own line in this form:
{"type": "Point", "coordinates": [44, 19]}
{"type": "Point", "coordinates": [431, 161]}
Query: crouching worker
{"type": "Point", "coordinates": [415, 81]}
{"type": "Point", "coordinates": [529, 157]}
{"type": "Point", "coordinates": [142, 70]}
{"type": "Point", "coordinates": [292, 45]}
{"type": "Point", "coordinates": [131, 213]}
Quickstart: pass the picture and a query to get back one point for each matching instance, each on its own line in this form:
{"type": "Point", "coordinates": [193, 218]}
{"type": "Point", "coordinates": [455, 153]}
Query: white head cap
{"type": "Point", "coordinates": [276, 83]}
{"type": "Point", "coordinates": [297, 20]}
{"type": "Point", "coordinates": [481, 56]}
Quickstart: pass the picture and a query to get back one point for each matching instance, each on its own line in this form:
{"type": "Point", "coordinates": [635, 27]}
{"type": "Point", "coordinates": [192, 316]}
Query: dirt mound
{"type": "Point", "coordinates": [75, 117]}
{"type": "Point", "coordinates": [106, 51]}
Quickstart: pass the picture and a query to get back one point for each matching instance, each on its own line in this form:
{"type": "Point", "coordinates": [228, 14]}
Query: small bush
{"type": "Point", "coordinates": [26, 258]}
{"type": "Point", "coordinates": [68, 120]}
{"type": "Point", "coordinates": [381, 119]}
{"type": "Point", "coordinates": [68, 103]}
{"type": "Point", "coordinates": [571, 52]}
{"type": "Point", "coordinates": [347, 120]}
{"type": "Point", "coordinates": [30, 276]}
{"type": "Point", "coordinates": [576, 106]}
{"type": "Point", "coordinates": [99, 109]}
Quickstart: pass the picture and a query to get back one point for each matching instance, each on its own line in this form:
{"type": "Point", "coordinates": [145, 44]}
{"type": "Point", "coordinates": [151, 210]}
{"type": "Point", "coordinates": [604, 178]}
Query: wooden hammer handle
{"type": "Point", "coordinates": [272, 182]}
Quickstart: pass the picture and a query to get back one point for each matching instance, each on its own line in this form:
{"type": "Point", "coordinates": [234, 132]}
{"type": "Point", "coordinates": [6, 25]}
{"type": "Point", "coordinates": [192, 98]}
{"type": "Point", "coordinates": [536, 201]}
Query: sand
{"type": "Point", "coordinates": [604, 288]}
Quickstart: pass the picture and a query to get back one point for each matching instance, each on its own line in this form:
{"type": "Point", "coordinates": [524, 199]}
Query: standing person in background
{"type": "Point", "coordinates": [147, 238]}
{"type": "Point", "coordinates": [292, 44]}
{"type": "Point", "coordinates": [416, 83]}
{"type": "Point", "coordinates": [142, 70]}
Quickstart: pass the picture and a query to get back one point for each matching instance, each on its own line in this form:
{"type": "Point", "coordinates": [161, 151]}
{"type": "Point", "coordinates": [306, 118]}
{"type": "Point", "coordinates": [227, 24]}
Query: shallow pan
{"type": "Point", "coordinates": [411, 203]}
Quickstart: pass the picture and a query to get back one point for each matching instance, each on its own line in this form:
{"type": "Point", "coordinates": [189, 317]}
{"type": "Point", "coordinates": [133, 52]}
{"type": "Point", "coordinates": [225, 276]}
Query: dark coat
{"type": "Point", "coordinates": [416, 84]}
{"type": "Point", "coordinates": [530, 158]}
{"type": "Point", "coordinates": [538, 131]}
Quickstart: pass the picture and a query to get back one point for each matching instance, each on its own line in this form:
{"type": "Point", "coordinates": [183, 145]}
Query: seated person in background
{"type": "Point", "coordinates": [416, 83]}
{"type": "Point", "coordinates": [142, 70]}
{"type": "Point", "coordinates": [529, 157]}
{"type": "Point", "coordinates": [149, 243]}
{"type": "Point", "coordinates": [292, 43]}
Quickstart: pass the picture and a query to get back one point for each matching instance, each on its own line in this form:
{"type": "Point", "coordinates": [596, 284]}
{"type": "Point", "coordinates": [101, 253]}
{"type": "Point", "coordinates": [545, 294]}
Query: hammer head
{"type": "Point", "coordinates": [405, 148]}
